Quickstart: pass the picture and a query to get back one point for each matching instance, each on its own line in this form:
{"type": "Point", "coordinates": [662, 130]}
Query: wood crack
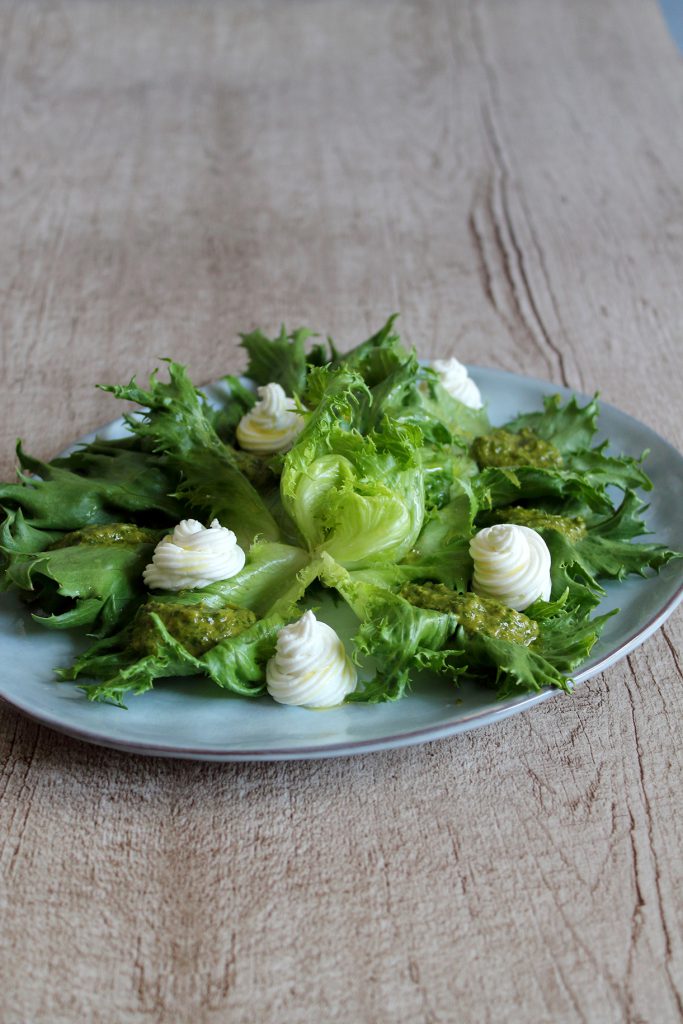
{"type": "Point", "coordinates": [640, 900]}
{"type": "Point", "coordinates": [522, 293]}
{"type": "Point", "coordinates": [25, 806]}
{"type": "Point", "coordinates": [673, 652]}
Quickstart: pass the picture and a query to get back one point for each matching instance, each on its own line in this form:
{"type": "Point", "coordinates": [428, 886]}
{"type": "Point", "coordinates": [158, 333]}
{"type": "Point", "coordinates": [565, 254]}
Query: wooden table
{"type": "Point", "coordinates": [508, 176]}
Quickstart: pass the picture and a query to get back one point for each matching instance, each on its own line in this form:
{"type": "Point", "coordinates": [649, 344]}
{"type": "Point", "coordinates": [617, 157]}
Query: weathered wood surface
{"type": "Point", "coordinates": [509, 177]}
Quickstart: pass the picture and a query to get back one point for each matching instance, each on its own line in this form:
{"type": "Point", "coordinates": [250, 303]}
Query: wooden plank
{"type": "Point", "coordinates": [509, 178]}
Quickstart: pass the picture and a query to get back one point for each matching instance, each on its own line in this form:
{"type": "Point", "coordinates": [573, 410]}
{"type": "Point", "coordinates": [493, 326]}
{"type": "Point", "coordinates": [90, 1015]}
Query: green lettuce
{"type": "Point", "coordinates": [602, 546]}
{"type": "Point", "coordinates": [377, 357]}
{"type": "Point", "coordinates": [99, 483]}
{"type": "Point", "coordinates": [282, 359]}
{"type": "Point", "coordinates": [377, 500]}
{"type": "Point", "coordinates": [358, 497]}
{"type": "Point", "coordinates": [236, 664]}
{"type": "Point", "coordinates": [566, 634]}
{"type": "Point", "coordinates": [74, 584]}
{"type": "Point", "coordinates": [583, 478]}
{"type": "Point", "coordinates": [178, 421]}
{"type": "Point", "coordinates": [394, 636]}
{"type": "Point", "coordinates": [269, 586]}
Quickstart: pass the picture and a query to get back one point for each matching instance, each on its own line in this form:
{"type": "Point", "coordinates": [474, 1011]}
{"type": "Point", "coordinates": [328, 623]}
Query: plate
{"type": "Point", "coordinates": [197, 720]}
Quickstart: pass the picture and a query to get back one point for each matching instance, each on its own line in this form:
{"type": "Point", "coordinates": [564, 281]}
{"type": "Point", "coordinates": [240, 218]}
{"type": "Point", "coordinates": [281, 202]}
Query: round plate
{"type": "Point", "coordinates": [195, 719]}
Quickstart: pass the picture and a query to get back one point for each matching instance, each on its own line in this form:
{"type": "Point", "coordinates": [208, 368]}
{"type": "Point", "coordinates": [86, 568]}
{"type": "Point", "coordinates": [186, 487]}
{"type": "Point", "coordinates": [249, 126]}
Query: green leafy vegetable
{"type": "Point", "coordinates": [282, 359]}
{"type": "Point", "coordinates": [377, 500]}
{"type": "Point", "coordinates": [79, 584]}
{"type": "Point", "coordinates": [178, 422]}
{"type": "Point", "coordinates": [394, 635]}
{"type": "Point", "coordinates": [95, 484]}
{"type": "Point", "coordinates": [358, 497]}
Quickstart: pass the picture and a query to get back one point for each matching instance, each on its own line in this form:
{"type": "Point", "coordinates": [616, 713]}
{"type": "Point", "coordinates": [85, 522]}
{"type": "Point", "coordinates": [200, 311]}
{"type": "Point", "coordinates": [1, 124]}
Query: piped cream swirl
{"type": "Point", "coordinates": [194, 556]}
{"type": "Point", "coordinates": [310, 666]}
{"type": "Point", "coordinates": [511, 564]}
{"type": "Point", "coordinates": [272, 424]}
{"type": "Point", "coordinates": [457, 382]}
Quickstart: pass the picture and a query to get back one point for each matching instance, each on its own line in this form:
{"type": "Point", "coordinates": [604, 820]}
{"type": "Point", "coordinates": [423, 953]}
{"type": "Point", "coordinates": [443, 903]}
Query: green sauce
{"type": "Point", "coordinates": [256, 468]}
{"type": "Point", "coordinates": [503, 448]}
{"type": "Point", "coordinates": [572, 527]}
{"type": "Point", "coordinates": [111, 533]}
{"type": "Point", "coordinates": [198, 627]}
{"type": "Point", "coordinates": [475, 614]}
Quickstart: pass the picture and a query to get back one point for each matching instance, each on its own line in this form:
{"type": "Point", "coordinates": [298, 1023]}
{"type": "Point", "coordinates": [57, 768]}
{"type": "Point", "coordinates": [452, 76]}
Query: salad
{"type": "Point", "coordinates": [203, 543]}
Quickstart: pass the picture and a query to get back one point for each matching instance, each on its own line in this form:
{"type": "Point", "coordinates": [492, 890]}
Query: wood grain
{"type": "Point", "coordinates": [508, 176]}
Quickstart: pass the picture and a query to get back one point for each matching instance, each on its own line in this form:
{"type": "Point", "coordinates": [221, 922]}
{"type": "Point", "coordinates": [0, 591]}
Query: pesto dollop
{"type": "Point", "coordinates": [475, 614]}
{"type": "Point", "coordinates": [503, 448]}
{"type": "Point", "coordinates": [109, 533]}
{"type": "Point", "coordinates": [571, 527]}
{"type": "Point", "coordinates": [257, 469]}
{"type": "Point", "coordinates": [198, 627]}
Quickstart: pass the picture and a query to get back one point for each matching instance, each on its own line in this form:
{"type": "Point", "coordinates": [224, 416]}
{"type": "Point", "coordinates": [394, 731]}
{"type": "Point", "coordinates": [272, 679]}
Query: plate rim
{"type": "Point", "coordinates": [409, 737]}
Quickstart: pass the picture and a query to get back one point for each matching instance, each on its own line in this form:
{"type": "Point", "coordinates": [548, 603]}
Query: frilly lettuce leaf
{"type": "Point", "coordinates": [412, 395]}
{"type": "Point", "coordinates": [179, 423]}
{"type": "Point", "coordinates": [440, 553]}
{"type": "Point", "coordinates": [608, 549]}
{"type": "Point", "coordinates": [93, 585]}
{"type": "Point", "coordinates": [585, 473]}
{"type": "Point", "coordinates": [282, 359]}
{"type": "Point", "coordinates": [602, 470]}
{"type": "Point", "coordinates": [603, 546]}
{"type": "Point", "coordinates": [402, 637]}
{"type": "Point", "coordinates": [498, 486]}
{"type": "Point", "coordinates": [231, 407]}
{"type": "Point", "coordinates": [435, 403]}
{"type": "Point", "coordinates": [566, 635]}
{"type": "Point", "coordinates": [377, 357]}
{"type": "Point", "coordinates": [398, 637]}
{"type": "Point", "coordinates": [358, 497]}
{"type": "Point", "coordinates": [273, 580]}
{"type": "Point", "coordinates": [236, 664]}
{"type": "Point", "coordinates": [570, 427]}
{"type": "Point", "coordinates": [271, 571]}
{"type": "Point", "coordinates": [99, 483]}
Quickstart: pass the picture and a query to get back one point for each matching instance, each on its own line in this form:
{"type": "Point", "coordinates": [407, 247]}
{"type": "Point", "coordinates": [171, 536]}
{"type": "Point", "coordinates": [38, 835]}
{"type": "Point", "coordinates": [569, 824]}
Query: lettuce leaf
{"type": "Point", "coordinates": [566, 635]}
{"type": "Point", "coordinates": [572, 492]}
{"type": "Point", "coordinates": [358, 497]}
{"type": "Point", "coordinates": [394, 635]}
{"type": "Point", "coordinates": [274, 578]}
{"type": "Point", "coordinates": [603, 546]}
{"type": "Point", "coordinates": [282, 359]}
{"type": "Point", "coordinates": [584, 475]}
{"type": "Point", "coordinates": [377, 357]}
{"type": "Point", "coordinates": [99, 483]}
{"type": "Point", "coordinates": [411, 395]}
{"type": "Point", "coordinates": [231, 407]}
{"type": "Point", "coordinates": [570, 427]}
{"type": "Point", "coordinates": [236, 664]}
{"type": "Point", "coordinates": [178, 422]}
{"type": "Point", "coordinates": [93, 585]}
{"type": "Point", "coordinates": [608, 549]}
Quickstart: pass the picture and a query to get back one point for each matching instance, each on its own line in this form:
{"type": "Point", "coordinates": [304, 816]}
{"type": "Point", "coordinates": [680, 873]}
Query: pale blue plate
{"type": "Point", "coordinates": [193, 719]}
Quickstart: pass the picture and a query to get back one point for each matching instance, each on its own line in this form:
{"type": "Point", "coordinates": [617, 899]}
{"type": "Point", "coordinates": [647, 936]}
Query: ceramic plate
{"type": "Point", "coordinates": [193, 719]}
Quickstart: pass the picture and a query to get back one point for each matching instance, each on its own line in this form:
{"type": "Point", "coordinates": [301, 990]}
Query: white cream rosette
{"type": "Point", "coordinates": [511, 564]}
{"type": "Point", "coordinates": [272, 425]}
{"type": "Point", "coordinates": [310, 667]}
{"type": "Point", "coordinates": [194, 556]}
{"type": "Point", "coordinates": [455, 379]}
